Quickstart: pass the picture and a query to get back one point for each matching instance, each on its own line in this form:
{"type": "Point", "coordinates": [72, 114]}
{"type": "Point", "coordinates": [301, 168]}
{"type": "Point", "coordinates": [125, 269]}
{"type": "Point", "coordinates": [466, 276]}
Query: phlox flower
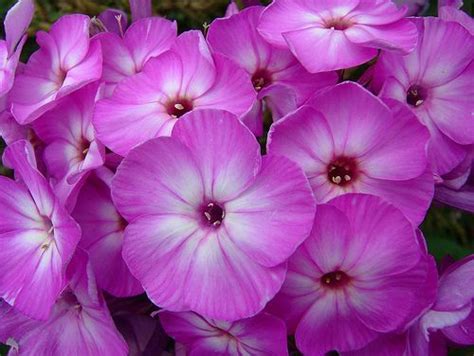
{"type": "Point", "coordinates": [110, 20]}
{"type": "Point", "coordinates": [66, 61]}
{"type": "Point", "coordinates": [67, 132]}
{"type": "Point", "coordinates": [127, 55]}
{"type": "Point", "coordinates": [37, 236]}
{"type": "Point", "coordinates": [16, 23]}
{"type": "Point", "coordinates": [451, 13]}
{"type": "Point", "coordinates": [449, 318]}
{"type": "Point", "coordinates": [261, 335]}
{"type": "Point", "coordinates": [435, 81]}
{"type": "Point", "coordinates": [80, 323]}
{"type": "Point", "coordinates": [453, 312]}
{"type": "Point", "coordinates": [140, 9]}
{"type": "Point", "coordinates": [186, 78]}
{"type": "Point", "coordinates": [335, 34]}
{"type": "Point", "coordinates": [354, 277]}
{"type": "Point", "coordinates": [276, 74]}
{"type": "Point", "coordinates": [414, 7]}
{"type": "Point", "coordinates": [211, 222]}
{"type": "Point", "coordinates": [362, 146]}
{"type": "Point", "coordinates": [457, 187]}
{"type": "Point", "coordinates": [102, 235]}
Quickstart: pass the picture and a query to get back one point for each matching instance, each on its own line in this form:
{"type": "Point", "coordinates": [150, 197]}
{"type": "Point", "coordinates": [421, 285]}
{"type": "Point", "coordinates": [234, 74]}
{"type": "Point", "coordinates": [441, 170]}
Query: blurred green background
{"type": "Point", "coordinates": [448, 231]}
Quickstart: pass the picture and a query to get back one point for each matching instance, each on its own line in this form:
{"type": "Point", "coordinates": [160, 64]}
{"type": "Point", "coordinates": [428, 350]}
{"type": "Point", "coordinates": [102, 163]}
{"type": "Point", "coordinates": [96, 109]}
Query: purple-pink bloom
{"type": "Point", "coordinates": [275, 73]}
{"type": "Point", "coordinates": [37, 236]}
{"type": "Point", "coordinates": [127, 55]}
{"type": "Point", "coordinates": [354, 277]}
{"type": "Point", "coordinates": [263, 334]}
{"type": "Point", "coordinates": [364, 146]}
{"type": "Point", "coordinates": [80, 323]}
{"type": "Point", "coordinates": [457, 187]}
{"type": "Point", "coordinates": [66, 61]}
{"type": "Point", "coordinates": [16, 23]}
{"type": "Point", "coordinates": [140, 9]}
{"type": "Point", "coordinates": [336, 34]}
{"type": "Point", "coordinates": [110, 20]}
{"type": "Point", "coordinates": [450, 13]}
{"type": "Point", "coordinates": [71, 147]}
{"type": "Point", "coordinates": [453, 311]}
{"type": "Point", "coordinates": [414, 7]}
{"type": "Point", "coordinates": [186, 78]}
{"type": "Point", "coordinates": [211, 222]}
{"type": "Point", "coordinates": [102, 235]}
{"type": "Point", "coordinates": [436, 83]}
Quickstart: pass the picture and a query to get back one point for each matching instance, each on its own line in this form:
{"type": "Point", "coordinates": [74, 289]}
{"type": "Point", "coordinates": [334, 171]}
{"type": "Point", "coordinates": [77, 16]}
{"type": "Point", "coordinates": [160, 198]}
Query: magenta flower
{"type": "Point", "coordinates": [65, 62]}
{"type": "Point", "coordinates": [16, 23]}
{"type": "Point", "coordinates": [214, 220]}
{"type": "Point", "coordinates": [110, 20]}
{"type": "Point", "coordinates": [354, 277]}
{"type": "Point", "coordinates": [71, 147]}
{"type": "Point", "coordinates": [140, 9]}
{"type": "Point", "coordinates": [457, 187]}
{"type": "Point", "coordinates": [414, 7]}
{"type": "Point", "coordinates": [451, 13]}
{"type": "Point", "coordinates": [363, 147]}
{"type": "Point", "coordinates": [275, 73]}
{"type": "Point", "coordinates": [453, 311]}
{"type": "Point", "coordinates": [102, 235]}
{"type": "Point", "coordinates": [186, 78]}
{"type": "Point", "coordinates": [37, 237]}
{"type": "Point", "coordinates": [80, 323]}
{"type": "Point", "coordinates": [329, 35]}
{"type": "Point", "coordinates": [436, 83]}
{"type": "Point", "coordinates": [261, 335]}
{"type": "Point", "coordinates": [127, 55]}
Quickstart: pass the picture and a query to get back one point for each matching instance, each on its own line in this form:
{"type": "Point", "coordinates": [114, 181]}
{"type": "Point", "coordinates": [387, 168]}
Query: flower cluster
{"type": "Point", "coordinates": [248, 178]}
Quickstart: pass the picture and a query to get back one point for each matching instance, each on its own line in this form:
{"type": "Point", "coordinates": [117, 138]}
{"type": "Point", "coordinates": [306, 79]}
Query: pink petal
{"type": "Point", "coordinates": [212, 134]}
{"type": "Point", "coordinates": [440, 68]}
{"type": "Point", "coordinates": [102, 236]}
{"type": "Point", "coordinates": [305, 137]}
{"type": "Point", "coordinates": [219, 268]}
{"type": "Point", "coordinates": [17, 21]}
{"type": "Point", "coordinates": [149, 38]}
{"type": "Point", "coordinates": [288, 210]}
{"type": "Point", "coordinates": [232, 89]}
{"type": "Point", "coordinates": [413, 197]}
{"type": "Point", "coordinates": [450, 107]}
{"type": "Point", "coordinates": [199, 71]}
{"type": "Point", "coordinates": [330, 42]}
{"type": "Point", "coordinates": [376, 240]}
{"type": "Point", "coordinates": [462, 333]}
{"type": "Point", "coordinates": [403, 130]}
{"type": "Point", "coordinates": [140, 9]}
{"type": "Point", "coordinates": [400, 36]}
{"type": "Point", "coordinates": [289, 15]}
{"type": "Point", "coordinates": [449, 13]}
{"type": "Point", "coordinates": [330, 325]}
{"type": "Point", "coordinates": [170, 185]}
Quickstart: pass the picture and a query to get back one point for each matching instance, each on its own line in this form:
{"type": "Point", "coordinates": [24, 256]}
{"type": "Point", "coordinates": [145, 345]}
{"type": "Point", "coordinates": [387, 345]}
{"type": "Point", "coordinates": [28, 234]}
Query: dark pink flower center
{"type": "Point", "coordinates": [84, 148]}
{"type": "Point", "coordinates": [339, 24]}
{"type": "Point", "coordinates": [213, 214]}
{"type": "Point", "coordinates": [179, 107]}
{"type": "Point", "coordinates": [49, 229]}
{"type": "Point", "coordinates": [416, 95]}
{"type": "Point", "coordinates": [342, 171]}
{"type": "Point", "coordinates": [71, 300]}
{"type": "Point", "coordinates": [261, 79]}
{"type": "Point", "coordinates": [336, 279]}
